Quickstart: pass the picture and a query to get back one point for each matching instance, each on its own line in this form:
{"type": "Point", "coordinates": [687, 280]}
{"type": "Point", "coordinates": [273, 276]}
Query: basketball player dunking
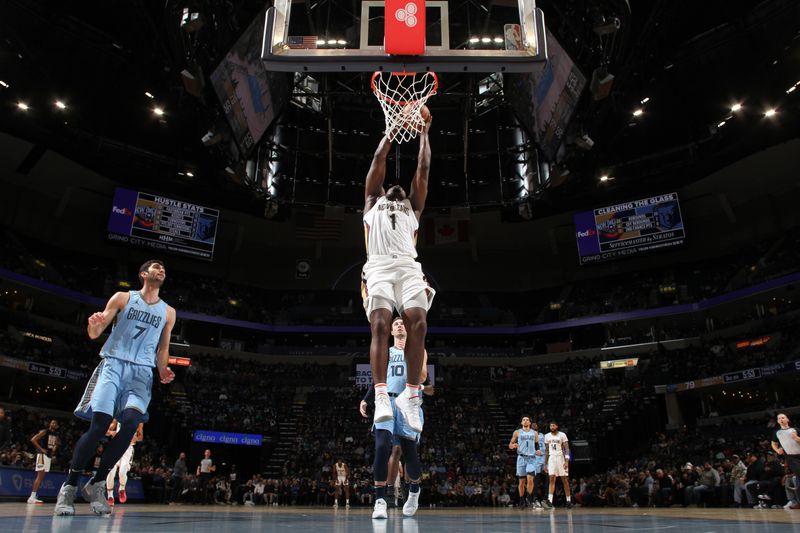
{"type": "Point", "coordinates": [392, 279]}
{"type": "Point", "coordinates": [395, 431]}
{"type": "Point", "coordinates": [557, 463]}
{"type": "Point", "coordinates": [342, 471]}
{"type": "Point", "coordinates": [121, 385]}
{"type": "Point", "coordinates": [123, 466]}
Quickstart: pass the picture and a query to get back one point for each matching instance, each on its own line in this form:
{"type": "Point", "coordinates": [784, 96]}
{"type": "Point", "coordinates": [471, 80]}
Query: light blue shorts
{"type": "Point", "coordinates": [529, 465]}
{"type": "Point", "coordinates": [116, 385]}
{"type": "Point", "coordinates": [398, 426]}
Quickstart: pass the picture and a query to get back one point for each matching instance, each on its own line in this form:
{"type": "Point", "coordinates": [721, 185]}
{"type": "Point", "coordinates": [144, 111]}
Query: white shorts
{"type": "Point", "coordinates": [341, 481]}
{"type": "Point", "coordinates": [42, 463]}
{"type": "Point", "coordinates": [556, 466]}
{"type": "Point", "coordinates": [394, 282]}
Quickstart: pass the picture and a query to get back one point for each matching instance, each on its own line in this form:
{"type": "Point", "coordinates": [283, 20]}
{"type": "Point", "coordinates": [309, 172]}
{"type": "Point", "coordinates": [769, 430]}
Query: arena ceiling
{"type": "Point", "coordinates": [683, 63]}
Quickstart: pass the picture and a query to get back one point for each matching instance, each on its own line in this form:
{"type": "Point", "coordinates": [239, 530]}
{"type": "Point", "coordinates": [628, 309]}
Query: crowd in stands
{"type": "Point", "coordinates": [677, 284]}
{"type": "Point", "coordinates": [464, 449]}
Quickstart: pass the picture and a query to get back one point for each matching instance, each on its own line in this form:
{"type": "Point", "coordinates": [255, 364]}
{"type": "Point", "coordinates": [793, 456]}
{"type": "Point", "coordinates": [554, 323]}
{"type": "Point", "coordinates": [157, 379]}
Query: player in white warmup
{"type": "Point", "coordinates": [556, 461]}
{"type": "Point", "coordinates": [123, 465]}
{"type": "Point", "coordinates": [342, 481]}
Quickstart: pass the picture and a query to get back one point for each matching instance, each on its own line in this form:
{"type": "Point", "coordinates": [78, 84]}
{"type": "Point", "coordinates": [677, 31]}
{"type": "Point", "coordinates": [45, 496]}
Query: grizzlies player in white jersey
{"type": "Point", "coordinates": [120, 386]}
{"type": "Point", "coordinates": [392, 279]}
{"type": "Point", "coordinates": [529, 444]}
{"type": "Point", "coordinates": [122, 466]}
{"type": "Point", "coordinates": [396, 431]}
{"type": "Point", "coordinates": [557, 462]}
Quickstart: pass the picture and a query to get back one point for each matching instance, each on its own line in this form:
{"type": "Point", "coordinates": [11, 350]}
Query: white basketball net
{"type": "Point", "coordinates": [402, 95]}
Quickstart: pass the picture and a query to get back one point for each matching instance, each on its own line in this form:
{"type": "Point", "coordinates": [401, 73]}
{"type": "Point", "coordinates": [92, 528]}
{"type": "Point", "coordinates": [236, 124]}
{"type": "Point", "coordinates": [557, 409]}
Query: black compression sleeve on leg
{"type": "Point", "coordinates": [87, 445]}
{"type": "Point", "coordinates": [116, 447]}
{"type": "Point", "coordinates": [411, 459]}
{"type": "Point", "coordinates": [383, 449]}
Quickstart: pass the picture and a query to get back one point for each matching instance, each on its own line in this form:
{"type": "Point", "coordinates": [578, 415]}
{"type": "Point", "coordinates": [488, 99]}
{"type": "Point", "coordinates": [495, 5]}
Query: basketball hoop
{"type": "Point", "coordinates": [402, 95]}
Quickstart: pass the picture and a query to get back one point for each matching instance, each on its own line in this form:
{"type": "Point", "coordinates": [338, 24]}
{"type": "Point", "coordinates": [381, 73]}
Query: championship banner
{"type": "Point", "coordinates": [629, 228]}
{"type": "Point", "coordinates": [364, 375]}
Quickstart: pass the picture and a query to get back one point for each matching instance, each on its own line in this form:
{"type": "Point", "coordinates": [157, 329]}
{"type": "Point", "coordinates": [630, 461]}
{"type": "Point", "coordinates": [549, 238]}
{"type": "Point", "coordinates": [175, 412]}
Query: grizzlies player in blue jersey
{"type": "Point", "coordinates": [529, 444]}
{"type": "Point", "coordinates": [396, 431]}
{"type": "Point", "coordinates": [120, 386]}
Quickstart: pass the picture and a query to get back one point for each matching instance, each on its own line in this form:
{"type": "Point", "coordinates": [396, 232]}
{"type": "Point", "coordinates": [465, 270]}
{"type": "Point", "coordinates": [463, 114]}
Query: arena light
{"type": "Point", "coordinates": [486, 40]}
{"type": "Point", "coordinates": [61, 105]}
{"type": "Point", "coordinates": [645, 100]}
{"type": "Point", "coordinates": [791, 89]}
{"type": "Point", "coordinates": [638, 112]}
{"type": "Point", "coordinates": [474, 40]}
{"type": "Point", "coordinates": [149, 95]}
{"type": "Point", "coordinates": [604, 177]}
{"type": "Point", "coordinates": [736, 107]}
{"type": "Point", "coordinates": [321, 42]}
{"type": "Point", "coordinates": [771, 112]}
{"type": "Point", "coordinates": [341, 42]}
{"type": "Point", "coordinates": [721, 124]}
{"type": "Point", "coordinates": [498, 40]}
{"type": "Point", "coordinates": [22, 106]}
{"type": "Point", "coordinates": [331, 41]}
{"type": "Point", "coordinates": [4, 84]}
{"type": "Point", "coordinates": [157, 111]}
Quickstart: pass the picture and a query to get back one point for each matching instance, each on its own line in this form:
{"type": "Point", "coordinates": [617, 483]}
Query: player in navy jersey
{"type": "Point", "coordinates": [529, 443]}
{"type": "Point", "coordinates": [121, 385]}
{"type": "Point", "coordinates": [392, 279]}
{"type": "Point", "coordinates": [44, 455]}
{"type": "Point", "coordinates": [395, 431]}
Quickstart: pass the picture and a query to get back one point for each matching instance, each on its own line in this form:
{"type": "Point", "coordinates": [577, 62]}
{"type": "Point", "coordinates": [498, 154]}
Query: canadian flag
{"type": "Point", "coordinates": [442, 230]}
{"type": "Point", "coordinates": [404, 27]}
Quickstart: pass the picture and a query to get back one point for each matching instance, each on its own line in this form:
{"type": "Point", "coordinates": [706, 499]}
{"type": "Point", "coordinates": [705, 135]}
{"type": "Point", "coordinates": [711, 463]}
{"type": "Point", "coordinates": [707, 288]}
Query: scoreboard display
{"type": "Point", "coordinates": [629, 228]}
{"type": "Point", "coordinates": [164, 224]}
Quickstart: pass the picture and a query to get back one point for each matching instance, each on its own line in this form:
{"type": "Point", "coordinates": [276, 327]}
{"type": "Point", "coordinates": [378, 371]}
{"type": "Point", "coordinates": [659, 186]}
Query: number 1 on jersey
{"type": "Point", "coordinates": [393, 216]}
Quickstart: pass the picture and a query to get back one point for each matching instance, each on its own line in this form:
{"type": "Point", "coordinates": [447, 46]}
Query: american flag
{"type": "Point", "coordinates": [314, 226]}
{"type": "Point", "coordinates": [302, 41]}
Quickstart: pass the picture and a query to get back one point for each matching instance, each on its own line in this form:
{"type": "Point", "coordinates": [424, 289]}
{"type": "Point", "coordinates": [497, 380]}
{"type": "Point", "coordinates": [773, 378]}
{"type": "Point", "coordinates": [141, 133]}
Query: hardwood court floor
{"type": "Point", "coordinates": [180, 519]}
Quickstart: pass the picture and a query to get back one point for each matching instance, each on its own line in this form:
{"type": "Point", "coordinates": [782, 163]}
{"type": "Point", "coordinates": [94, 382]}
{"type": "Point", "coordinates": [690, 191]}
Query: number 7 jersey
{"type": "Point", "coordinates": [136, 332]}
{"type": "Point", "coordinates": [390, 227]}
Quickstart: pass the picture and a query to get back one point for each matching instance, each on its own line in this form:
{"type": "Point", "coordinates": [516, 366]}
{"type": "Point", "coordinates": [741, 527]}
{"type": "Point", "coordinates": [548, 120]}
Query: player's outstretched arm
{"type": "Point", "coordinates": [98, 322]}
{"type": "Point", "coordinates": [373, 187]}
{"type": "Point", "coordinates": [419, 185]}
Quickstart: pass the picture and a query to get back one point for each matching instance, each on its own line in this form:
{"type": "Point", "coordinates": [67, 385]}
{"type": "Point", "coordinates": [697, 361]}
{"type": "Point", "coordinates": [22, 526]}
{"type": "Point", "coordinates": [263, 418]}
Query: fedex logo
{"type": "Point", "coordinates": [587, 233]}
{"type": "Point", "coordinates": [121, 211]}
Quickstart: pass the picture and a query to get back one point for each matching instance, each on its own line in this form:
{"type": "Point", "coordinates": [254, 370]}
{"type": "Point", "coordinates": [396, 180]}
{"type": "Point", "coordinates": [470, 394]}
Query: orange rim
{"type": "Point", "coordinates": [385, 98]}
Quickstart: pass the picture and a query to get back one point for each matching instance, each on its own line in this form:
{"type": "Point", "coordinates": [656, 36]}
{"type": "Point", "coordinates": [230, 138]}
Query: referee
{"type": "Point", "coordinates": [787, 442]}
